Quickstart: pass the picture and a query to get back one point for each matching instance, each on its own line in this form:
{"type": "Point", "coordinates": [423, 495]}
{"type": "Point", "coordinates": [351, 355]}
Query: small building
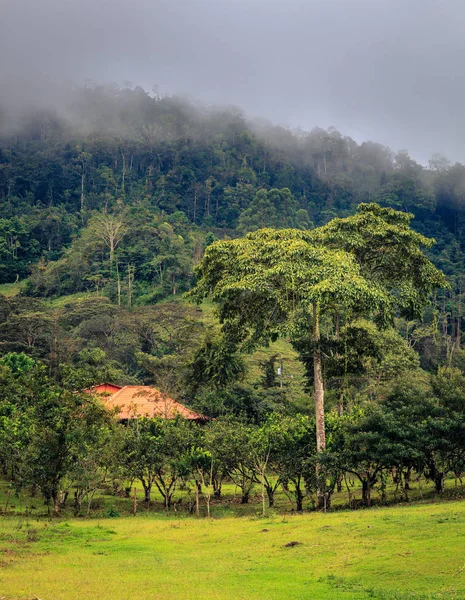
{"type": "Point", "coordinates": [133, 401]}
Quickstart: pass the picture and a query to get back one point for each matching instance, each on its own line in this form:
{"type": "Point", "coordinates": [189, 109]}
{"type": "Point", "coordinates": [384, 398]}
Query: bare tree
{"type": "Point", "coordinates": [111, 229]}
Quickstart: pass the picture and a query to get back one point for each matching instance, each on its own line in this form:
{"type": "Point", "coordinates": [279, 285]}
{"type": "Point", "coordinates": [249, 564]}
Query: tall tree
{"type": "Point", "coordinates": [271, 282]}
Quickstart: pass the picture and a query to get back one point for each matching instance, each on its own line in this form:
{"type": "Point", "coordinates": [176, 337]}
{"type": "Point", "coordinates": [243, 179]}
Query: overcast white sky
{"type": "Point", "coordinates": [388, 70]}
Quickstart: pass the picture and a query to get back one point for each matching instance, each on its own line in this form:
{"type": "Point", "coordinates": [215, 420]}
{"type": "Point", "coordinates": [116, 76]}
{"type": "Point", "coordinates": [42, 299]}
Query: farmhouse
{"type": "Point", "coordinates": [132, 401]}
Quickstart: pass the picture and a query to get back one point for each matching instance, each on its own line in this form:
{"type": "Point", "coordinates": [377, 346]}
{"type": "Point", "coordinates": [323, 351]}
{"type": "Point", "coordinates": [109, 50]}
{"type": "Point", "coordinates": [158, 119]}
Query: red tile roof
{"type": "Point", "coordinates": [144, 401]}
{"type": "Point", "coordinates": [106, 388]}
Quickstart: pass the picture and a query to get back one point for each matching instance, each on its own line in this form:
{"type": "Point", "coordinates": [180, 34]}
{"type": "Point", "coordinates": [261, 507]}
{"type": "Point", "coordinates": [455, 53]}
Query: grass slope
{"type": "Point", "coordinates": [11, 289]}
{"type": "Point", "coordinates": [400, 553]}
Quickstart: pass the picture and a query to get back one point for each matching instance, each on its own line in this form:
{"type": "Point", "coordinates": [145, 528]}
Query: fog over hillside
{"type": "Point", "coordinates": [386, 70]}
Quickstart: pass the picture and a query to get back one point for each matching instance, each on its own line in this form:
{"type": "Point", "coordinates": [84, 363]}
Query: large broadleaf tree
{"type": "Point", "coordinates": [274, 282]}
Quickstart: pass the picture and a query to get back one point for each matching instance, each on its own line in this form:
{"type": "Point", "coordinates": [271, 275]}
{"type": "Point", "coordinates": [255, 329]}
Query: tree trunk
{"type": "Point", "coordinates": [439, 482]}
{"type": "Point", "coordinates": [56, 502]}
{"type": "Point", "coordinates": [263, 494]}
{"type": "Point", "coordinates": [407, 478]}
{"type": "Point", "coordinates": [319, 393]}
{"type": "Point", "coordinates": [319, 398]}
{"type": "Point", "coordinates": [118, 279]}
{"type": "Point", "coordinates": [77, 502]}
{"type": "Point", "coordinates": [245, 497]}
{"type": "Point", "coordinates": [216, 482]}
{"type": "Point", "coordinates": [328, 497]}
{"type": "Point", "coordinates": [270, 494]}
{"type": "Point", "coordinates": [299, 498]}
{"type": "Point", "coordinates": [63, 499]}
{"type": "Point", "coordinates": [112, 252]}
{"type": "Point", "coordinates": [147, 492]}
{"type": "Point", "coordinates": [197, 498]}
{"type": "Point", "coordinates": [366, 492]}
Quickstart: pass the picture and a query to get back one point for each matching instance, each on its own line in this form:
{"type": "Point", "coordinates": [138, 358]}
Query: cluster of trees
{"type": "Point", "coordinates": [305, 284]}
{"type": "Point", "coordinates": [65, 446]}
{"type": "Point", "coordinates": [133, 256]}
{"type": "Point", "coordinates": [349, 277]}
{"type": "Point", "coordinates": [131, 183]}
{"type": "Point", "coordinates": [415, 431]}
{"type": "Point", "coordinates": [335, 292]}
{"type": "Point", "coordinates": [110, 216]}
{"type": "Point", "coordinates": [98, 338]}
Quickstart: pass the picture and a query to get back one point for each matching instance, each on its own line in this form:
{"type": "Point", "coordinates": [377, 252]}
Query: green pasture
{"type": "Point", "coordinates": [397, 553]}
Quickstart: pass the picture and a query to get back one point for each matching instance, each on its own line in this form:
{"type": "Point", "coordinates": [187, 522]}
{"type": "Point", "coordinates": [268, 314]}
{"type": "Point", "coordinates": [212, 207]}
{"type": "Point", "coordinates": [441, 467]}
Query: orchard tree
{"type": "Point", "coordinates": [47, 431]}
{"type": "Point", "coordinates": [142, 452]}
{"type": "Point", "coordinates": [229, 443]}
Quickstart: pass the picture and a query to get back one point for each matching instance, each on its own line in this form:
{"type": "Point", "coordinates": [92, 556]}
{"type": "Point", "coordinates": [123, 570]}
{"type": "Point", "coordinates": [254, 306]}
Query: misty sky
{"type": "Point", "coordinates": [388, 70]}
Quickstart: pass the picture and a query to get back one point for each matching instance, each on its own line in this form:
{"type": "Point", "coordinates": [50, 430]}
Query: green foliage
{"type": "Point", "coordinates": [389, 252]}
{"type": "Point", "coordinates": [110, 228]}
{"type": "Point", "coordinates": [264, 280]}
{"type": "Point", "coordinates": [18, 363]}
{"type": "Point", "coordinates": [45, 430]}
{"type": "Point", "coordinates": [216, 365]}
{"type": "Point", "coordinates": [273, 208]}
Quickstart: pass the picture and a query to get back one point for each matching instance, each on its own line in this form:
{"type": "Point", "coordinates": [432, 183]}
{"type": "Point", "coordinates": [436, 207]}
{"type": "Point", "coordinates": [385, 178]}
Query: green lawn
{"type": "Point", "coordinates": [404, 552]}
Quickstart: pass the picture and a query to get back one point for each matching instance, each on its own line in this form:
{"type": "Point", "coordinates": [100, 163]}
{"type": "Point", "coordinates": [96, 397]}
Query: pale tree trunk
{"type": "Point", "coordinates": [206, 487]}
{"type": "Point", "coordinates": [131, 269]}
{"type": "Point", "coordinates": [56, 501]}
{"type": "Point", "coordinates": [319, 397]}
{"type": "Point", "coordinates": [112, 251]}
{"type": "Point", "coordinates": [319, 393]}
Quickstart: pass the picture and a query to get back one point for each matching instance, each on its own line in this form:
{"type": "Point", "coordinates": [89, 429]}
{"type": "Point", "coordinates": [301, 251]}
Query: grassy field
{"type": "Point", "coordinates": [399, 553]}
{"type": "Point", "coordinates": [11, 289]}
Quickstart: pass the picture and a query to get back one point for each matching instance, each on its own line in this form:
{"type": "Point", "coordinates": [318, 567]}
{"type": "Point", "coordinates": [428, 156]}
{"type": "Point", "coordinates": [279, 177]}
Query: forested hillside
{"type": "Point", "coordinates": [318, 286]}
{"type": "Point", "coordinates": [109, 201]}
{"type": "Point", "coordinates": [147, 160]}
